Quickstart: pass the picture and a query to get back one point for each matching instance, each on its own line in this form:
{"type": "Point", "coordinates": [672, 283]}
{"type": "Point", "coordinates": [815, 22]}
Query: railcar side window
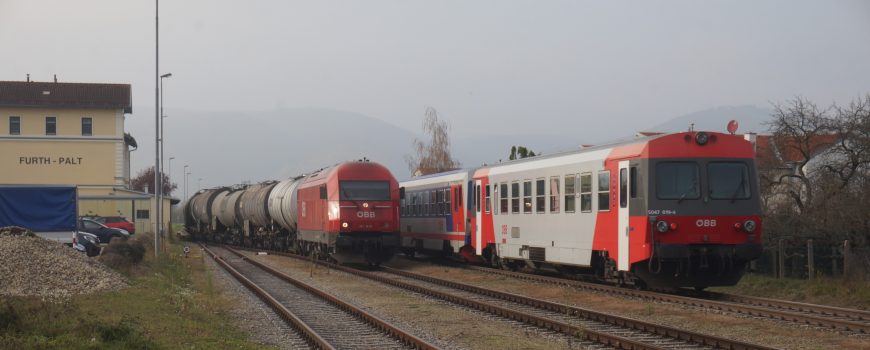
{"type": "Point", "coordinates": [554, 194]}
{"type": "Point", "coordinates": [433, 202]}
{"type": "Point", "coordinates": [515, 197]}
{"type": "Point", "coordinates": [586, 193]}
{"type": "Point", "coordinates": [677, 180]}
{"type": "Point", "coordinates": [364, 190]}
{"type": "Point", "coordinates": [728, 180]}
{"type": "Point", "coordinates": [527, 197]}
{"type": "Point", "coordinates": [604, 190]}
{"type": "Point", "coordinates": [503, 188]}
{"type": "Point", "coordinates": [495, 198]}
{"type": "Point", "coordinates": [447, 200]}
{"type": "Point", "coordinates": [540, 193]}
{"type": "Point", "coordinates": [426, 203]}
{"type": "Point", "coordinates": [623, 188]}
{"type": "Point", "coordinates": [570, 181]}
{"type": "Point", "coordinates": [488, 198]}
{"type": "Point", "coordinates": [441, 210]}
{"type": "Point", "coordinates": [416, 205]}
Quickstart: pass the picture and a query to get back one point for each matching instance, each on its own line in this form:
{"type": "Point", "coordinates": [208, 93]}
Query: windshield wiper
{"type": "Point", "coordinates": [738, 189]}
{"type": "Point", "coordinates": [691, 188]}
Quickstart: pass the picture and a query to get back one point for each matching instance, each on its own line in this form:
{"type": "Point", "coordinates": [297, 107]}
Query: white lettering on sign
{"type": "Point", "coordinates": [706, 223]}
{"type": "Point", "coordinates": [365, 214]}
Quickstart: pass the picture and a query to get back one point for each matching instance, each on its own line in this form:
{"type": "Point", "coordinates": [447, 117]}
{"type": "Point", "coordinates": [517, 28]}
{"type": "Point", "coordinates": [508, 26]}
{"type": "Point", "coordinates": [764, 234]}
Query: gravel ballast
{"type": "Point", "coordinates": [34, 266]}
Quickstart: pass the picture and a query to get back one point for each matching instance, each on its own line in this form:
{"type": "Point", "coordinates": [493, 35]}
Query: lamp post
{"type": "Point", "coordinates": [199, 184]}
{"type": "Point", "coordinates": [162, 141]}
{"type": "Point", "coordinates": [185, 181]}
{"type": "Point", "coordinates": [157, 177]}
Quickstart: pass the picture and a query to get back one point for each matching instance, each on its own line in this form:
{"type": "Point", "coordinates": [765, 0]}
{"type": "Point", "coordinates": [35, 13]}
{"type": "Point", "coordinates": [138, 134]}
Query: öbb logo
{"type": "Point", "coordinates": [706, 223]}
{"type": "Point", "coordinates": [365, 214]}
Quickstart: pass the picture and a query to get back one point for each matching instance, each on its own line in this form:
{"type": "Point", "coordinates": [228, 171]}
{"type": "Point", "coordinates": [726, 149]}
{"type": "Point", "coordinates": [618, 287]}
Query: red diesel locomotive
{"type": "Point", "coordinates": [348, 212]}
{"type": "Point", "coordinates": [669, 210]}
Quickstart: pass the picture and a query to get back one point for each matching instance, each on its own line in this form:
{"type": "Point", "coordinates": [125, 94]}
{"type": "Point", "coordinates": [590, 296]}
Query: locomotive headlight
{"type": "Point", "coordinates": [365, 205]}
{"type": "Point", "coordinates": [662, 226]}
{"type": "Point", "coordinates": [749, 225]}
{"type": "Point", "coordinates": [344, 224]}
{"type": "Point", "coordinates": [701, 138]}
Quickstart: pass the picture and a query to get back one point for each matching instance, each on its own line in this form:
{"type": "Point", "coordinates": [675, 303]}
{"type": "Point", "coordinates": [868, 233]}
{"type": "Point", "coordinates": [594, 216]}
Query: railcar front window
{"type": "Point", "coordinates": [364, 190]}
{"type": "Point", "coordinates": [677, 180]}
{"type": "Point", "coordinates": [728, 180]}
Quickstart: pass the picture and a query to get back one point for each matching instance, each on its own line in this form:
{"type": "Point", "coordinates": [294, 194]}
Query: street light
{"type": "Point", "coordinates": [199, 184]}
{"type": "Point", "coordinates": [160, 186]}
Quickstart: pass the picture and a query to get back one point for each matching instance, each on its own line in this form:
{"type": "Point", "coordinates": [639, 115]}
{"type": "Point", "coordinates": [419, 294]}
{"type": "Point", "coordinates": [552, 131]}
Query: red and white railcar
{"type": "Point", "coordinates": [434, 215]}
{"type": "Point", "coordinates": [671, 210]}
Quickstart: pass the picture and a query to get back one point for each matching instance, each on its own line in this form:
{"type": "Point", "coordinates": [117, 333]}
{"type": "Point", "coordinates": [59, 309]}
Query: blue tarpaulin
{"type": "Point", "coordinates": [39, 208]}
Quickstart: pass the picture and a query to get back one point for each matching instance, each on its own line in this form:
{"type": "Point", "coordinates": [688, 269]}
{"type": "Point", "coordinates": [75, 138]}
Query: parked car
{"type": "Point", "coordinates": [87, 243]}
{"type": "Point", "coordinates": [103, 232]}
{"type": "Point", "coordinates": [117, 222]}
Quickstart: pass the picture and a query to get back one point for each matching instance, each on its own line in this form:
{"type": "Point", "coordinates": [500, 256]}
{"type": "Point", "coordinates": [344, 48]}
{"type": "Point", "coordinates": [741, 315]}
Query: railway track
{"type": "Point", "coordinates": [324, 321]}
{"type": "Point", "coordinates": [609, 330]}
{"type": "Point", "coordinates": [839, 319]}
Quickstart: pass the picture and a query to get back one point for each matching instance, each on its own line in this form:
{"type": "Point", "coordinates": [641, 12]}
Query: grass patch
{"type": "Point", "coordinates": [821, 290]}
{"type": "Point", "coordinates": [171, 304]}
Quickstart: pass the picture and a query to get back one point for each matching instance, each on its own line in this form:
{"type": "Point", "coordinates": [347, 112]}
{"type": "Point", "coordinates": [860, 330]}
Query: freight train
{"type": "Point", "coordinates": [347, 212]}
{"type": "Point", "coordinates": [663, 211]}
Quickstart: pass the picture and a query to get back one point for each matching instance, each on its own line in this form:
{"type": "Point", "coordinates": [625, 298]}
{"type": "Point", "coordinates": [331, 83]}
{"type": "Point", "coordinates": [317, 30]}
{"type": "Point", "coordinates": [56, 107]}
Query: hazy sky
{"type": "Point", "coordinates": [488, 66]}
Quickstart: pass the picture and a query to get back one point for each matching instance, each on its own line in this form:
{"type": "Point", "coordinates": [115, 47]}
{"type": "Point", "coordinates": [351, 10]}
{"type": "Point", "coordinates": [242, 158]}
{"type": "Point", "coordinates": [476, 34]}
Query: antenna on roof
{"type": "Point", "coordinates": [55, 78]}
{"type": "Point", "coordinates": [691, 126]}
{"type": "Point", "coordinates": [28, 77]}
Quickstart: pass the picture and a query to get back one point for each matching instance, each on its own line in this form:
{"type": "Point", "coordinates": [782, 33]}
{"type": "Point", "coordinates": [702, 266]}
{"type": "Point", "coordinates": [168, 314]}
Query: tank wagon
{"type": "Point", "coordinates": [670, 210]}
{"type": "Point", "coordinates": [348, 212]}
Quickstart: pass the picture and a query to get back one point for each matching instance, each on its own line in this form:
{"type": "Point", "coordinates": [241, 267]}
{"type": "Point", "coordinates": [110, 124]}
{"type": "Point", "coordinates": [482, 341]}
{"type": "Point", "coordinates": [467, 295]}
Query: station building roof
{"type": "Point", "coordinates": [65, 95]}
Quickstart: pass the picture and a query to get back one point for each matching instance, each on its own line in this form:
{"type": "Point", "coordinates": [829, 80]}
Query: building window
{"type": "Point", "coordinates": [570, 182]}
{"type": "Point", "coordinates": [604, 190]}
{"type": "Point", "coordinates": [515, 197]}
{"type": "Point", "coordinates": [527, 197]}
{"type": "Point", "coordinates": [87, 126]}
{"type": "Point", "coordinates": [540, 193]}
{"type": "Point", "coordinates": [14, 125]}
{"type": "Point", "coordinates": [586, 193]}
{"type": "Point", "coordinates": [142, 214]}
{"type": "Point", "coordinates": [504, 198]}
{"type": "Point", "coordinates": [51, 125]}
{"type": "Point", "coordinates": [488, 198]}
{"type": "Point", "coordinates": [554, 194]}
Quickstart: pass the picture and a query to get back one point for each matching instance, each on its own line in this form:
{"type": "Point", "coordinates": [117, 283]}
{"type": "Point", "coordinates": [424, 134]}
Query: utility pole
{"type": "Point", "coordinates": [158, 188]}
{"type": "Point", "coordinates": [185, 182]}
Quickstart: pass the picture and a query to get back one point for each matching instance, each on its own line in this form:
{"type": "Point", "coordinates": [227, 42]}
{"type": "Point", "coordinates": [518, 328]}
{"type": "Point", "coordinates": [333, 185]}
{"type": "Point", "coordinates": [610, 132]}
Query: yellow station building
{"type": "Point", "coordinates": [73, 134]}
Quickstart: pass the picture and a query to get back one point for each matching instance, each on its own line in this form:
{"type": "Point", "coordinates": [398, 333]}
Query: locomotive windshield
{"type": "Point", "coordinates": [728, 180]}
{"type": "Point", "coordinates": [364, 190]}
{"type": "Point", "coordinates": [677, 180]}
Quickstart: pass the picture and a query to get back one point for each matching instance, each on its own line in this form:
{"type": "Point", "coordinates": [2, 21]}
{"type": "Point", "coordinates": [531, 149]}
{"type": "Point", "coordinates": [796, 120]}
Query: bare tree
{"type": "Point", "coordinates": [144, 182]}
{"type": "Point", "coordinates": [432, 156]}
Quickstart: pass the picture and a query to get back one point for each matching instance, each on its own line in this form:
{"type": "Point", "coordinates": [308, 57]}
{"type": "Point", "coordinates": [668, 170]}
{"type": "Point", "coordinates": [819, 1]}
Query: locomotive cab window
{"type": "Point", "coordinates": [604, 190]}
{"type": "Point", "coordinates": [728, 180]}
{"type": "Point", "coordinates": [677, 180]}
{"type": "Point", "coordinates": [364, 190]}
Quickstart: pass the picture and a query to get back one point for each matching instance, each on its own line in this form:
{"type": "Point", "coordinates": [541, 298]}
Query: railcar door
{"type": "Point", "coordinates": [622, 225]}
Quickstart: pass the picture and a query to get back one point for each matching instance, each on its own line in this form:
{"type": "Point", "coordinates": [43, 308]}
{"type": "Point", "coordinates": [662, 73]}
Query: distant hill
{"type": "Point", "coordinates": [226, 148]}
{"type": "Point", "coordinates": [750, 118]}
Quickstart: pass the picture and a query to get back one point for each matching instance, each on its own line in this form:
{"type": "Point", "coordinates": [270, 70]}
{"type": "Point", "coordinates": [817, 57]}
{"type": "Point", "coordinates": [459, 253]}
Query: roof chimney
{"type": "Point", "coordinates": [28, 77]}
{"type": "Point", "coordinates": [55, 78]}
